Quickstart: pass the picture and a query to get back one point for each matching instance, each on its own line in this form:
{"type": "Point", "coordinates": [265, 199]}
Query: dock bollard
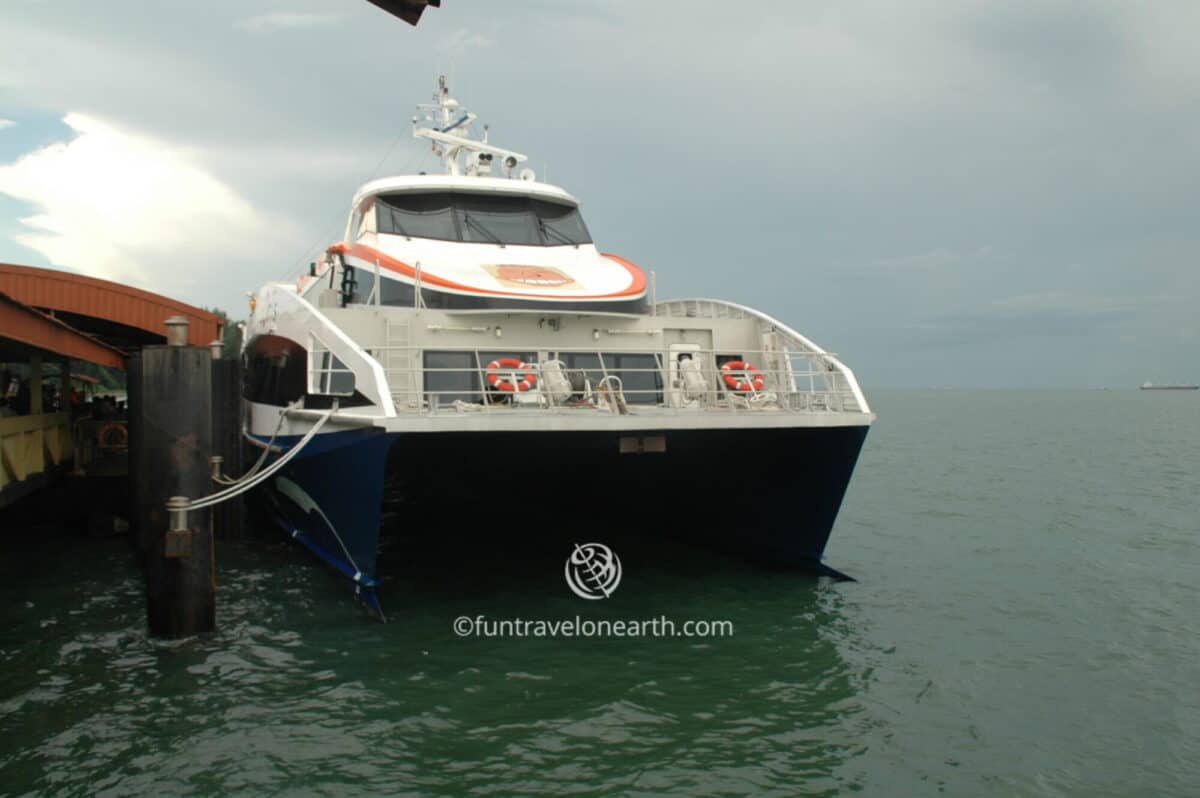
{"type": "Point", "coordinates": [177, 331]}
{"type": "Point", "coordinates": [179, 537]}
{"type": "Point", "coordinates": [172, 468]}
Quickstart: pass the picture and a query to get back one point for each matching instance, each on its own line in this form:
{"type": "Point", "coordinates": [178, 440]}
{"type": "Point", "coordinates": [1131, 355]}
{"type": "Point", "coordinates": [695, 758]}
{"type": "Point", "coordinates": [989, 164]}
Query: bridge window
{"type": "Point", "coordinates": [481, 218]}
{"type": "Point", "coordinates": [496, 220]}
{"type": "Point", "coordinates": [560, 224]}
{"type": "Point", "coordinates": [417, 216]}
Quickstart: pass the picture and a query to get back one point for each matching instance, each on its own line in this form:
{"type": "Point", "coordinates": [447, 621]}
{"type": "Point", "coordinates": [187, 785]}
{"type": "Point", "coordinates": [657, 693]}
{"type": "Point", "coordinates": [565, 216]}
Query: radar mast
{"type": "Point", "coordinates": [448, 127]}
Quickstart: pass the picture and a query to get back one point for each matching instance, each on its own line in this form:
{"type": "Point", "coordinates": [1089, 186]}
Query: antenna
{"type": "Point", "coordinates": [449, 132]}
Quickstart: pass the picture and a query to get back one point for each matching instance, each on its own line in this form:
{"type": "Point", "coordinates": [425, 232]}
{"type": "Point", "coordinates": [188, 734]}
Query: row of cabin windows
{"type": "Point", "coordinates": [449, 376]}
{"type": "Point", "coordinates": [480, 218]}
{"type": "Point", "coordinates": [281, 378]}
{"type": "Point", "coordinates": [453, 376]}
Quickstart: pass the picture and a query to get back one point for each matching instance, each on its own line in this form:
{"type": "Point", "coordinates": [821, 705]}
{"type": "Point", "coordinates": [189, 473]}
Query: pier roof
{"type": "Point", "coordinates": [23, 328]}
{"type": "Point", "coordinates": [121, 316]}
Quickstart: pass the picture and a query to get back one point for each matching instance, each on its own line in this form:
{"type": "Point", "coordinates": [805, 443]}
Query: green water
{"type": "Point", "coordinates": [1027, 623]}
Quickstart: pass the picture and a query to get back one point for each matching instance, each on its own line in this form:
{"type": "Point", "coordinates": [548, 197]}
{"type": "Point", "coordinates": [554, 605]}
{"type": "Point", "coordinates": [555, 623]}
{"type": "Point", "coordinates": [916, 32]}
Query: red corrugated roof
{"type": "Point", "coordinates": [27, 326]}
{"type": "Point", "coordinates": [87, 296]}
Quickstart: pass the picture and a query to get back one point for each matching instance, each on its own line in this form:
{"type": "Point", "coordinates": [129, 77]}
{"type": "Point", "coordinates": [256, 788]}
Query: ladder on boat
{"type": "Point", "coordinates": [400, 363]}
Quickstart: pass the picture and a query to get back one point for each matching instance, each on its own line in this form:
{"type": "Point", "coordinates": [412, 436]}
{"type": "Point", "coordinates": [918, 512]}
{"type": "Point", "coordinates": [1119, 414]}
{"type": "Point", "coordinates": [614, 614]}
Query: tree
{"type": "Point", "coordinates": [231, 336]}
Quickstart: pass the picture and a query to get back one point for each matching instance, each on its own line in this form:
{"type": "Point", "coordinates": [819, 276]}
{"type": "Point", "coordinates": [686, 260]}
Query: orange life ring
{"type": "Point", "coordinates": [104, 437]}
{"type": "Point", "coordinates": [510, 382]}
{"type": "Point", "coordinates": [754, 379]}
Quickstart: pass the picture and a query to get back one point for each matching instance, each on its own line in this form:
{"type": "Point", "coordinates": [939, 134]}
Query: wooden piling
{"type": "Point", "coordinates": [173, 436]}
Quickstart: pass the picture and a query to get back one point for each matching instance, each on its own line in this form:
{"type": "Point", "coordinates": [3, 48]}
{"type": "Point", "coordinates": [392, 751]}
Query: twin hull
{"type": "Point", "coordinates": [407, 397]}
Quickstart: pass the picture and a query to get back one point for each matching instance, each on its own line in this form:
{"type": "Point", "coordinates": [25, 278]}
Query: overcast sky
{"type": "Point", "coordinates": [945, 193]}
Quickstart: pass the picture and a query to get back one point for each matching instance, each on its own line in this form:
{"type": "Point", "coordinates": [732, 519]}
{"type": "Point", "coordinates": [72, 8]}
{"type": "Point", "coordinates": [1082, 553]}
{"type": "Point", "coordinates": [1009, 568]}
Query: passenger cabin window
{"type": "Point", "coordinates": [329, 375]}
{"type": "Point", "coordinates": [481, 218]}
{"type": "Point", "coordinates": [640, 374]}
{"type": "Point", "coordinates": [453, 376]}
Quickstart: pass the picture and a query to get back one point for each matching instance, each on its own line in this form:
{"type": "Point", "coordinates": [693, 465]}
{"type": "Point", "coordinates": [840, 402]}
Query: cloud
{"type": "Point", "coordinates": [127, 207]}
{"type": "Point", "coordinates": [269, 23]}
{"type": "Point", "coordinates": [6, 123]}
{"type": "Point", "coordinates": [940, 258]}
{"type": "Point", "coordinates": [863, 151]}
{"type": "Point", "coordinates": [464, 39]}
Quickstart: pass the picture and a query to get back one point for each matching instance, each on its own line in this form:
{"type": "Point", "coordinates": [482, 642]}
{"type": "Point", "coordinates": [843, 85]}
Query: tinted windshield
{"type": "Point", "coordinates": [483, 218]}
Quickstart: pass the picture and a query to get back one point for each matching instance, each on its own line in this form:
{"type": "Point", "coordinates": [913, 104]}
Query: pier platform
{"type": "Point", "coordinates": [64, 340]}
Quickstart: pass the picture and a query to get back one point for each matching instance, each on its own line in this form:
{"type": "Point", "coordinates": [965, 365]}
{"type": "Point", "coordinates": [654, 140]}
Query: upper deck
{"type": "Point", "coordinates": [687, 364]}
{"type": "Point", "coordinates": [480, 185]}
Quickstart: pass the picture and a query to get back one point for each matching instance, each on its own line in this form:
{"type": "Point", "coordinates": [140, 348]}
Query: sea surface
{"type": "Point", "coordinates": [1026, 623]}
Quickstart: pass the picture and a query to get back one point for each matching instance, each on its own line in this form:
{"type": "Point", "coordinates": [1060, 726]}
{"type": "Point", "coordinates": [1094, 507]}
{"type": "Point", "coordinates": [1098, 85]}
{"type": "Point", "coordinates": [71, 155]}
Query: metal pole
{"type": "Point", "coordinates": [417, 288]}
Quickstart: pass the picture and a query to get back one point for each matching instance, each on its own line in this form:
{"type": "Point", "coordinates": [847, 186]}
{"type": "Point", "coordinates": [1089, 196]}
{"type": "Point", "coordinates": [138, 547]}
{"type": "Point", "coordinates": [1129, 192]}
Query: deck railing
{"type": "Point", "coordinates": [397, 376]}
{"type": "Point", "coordinates": [464, 379]}
{"type": "Point", "coordinates": [720, 309]}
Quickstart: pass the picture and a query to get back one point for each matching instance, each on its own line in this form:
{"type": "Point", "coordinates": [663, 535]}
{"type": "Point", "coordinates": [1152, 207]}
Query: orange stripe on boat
{"type": "Point", "coordinates": [371, 255]}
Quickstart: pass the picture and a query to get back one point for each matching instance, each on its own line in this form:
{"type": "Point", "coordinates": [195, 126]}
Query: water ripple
{"type": "Point", "coordinates": [1024, 625]}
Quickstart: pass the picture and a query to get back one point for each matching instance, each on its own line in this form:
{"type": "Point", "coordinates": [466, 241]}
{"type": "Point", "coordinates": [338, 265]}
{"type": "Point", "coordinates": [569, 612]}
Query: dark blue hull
{"type": "Point", "coordinates": [330, 499]}
{"type": "Point", "coordinates": [772, 494]}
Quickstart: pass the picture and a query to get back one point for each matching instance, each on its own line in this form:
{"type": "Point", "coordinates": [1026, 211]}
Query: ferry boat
{"type": "Point", "coordinates": [467, 324]}
{"type": "Point", "coordinates": [1150, 386]}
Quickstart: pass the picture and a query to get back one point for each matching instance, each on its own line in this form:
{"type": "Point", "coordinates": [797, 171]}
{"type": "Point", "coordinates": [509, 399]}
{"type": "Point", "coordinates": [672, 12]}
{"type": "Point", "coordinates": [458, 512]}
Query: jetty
{"type": "Point", "coordinates": [122, 399]}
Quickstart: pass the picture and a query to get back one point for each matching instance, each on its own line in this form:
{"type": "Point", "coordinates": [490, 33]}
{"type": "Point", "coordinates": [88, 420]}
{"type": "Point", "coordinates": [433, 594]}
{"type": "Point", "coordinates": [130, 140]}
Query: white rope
{"type": "Point", "coordinates": [467, 407]}
{"type": "Point", "coordinates": [262, 458]}
{"type": "Point", "coordinates": [766, 400]}
{"type": "Point", "coordinates": [247, 484]}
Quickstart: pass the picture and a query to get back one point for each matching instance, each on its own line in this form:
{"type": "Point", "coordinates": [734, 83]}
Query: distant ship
{"type": "Point", "coordinates": [1149, 386]}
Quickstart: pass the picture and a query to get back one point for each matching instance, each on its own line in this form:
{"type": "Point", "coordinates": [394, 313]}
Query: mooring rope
{"type": "Point", "coordinates": [262, 458]}
{"type": "Point", "coordinates": [253, 477]}
{"type": "Point", "coordinates": [251, 481]}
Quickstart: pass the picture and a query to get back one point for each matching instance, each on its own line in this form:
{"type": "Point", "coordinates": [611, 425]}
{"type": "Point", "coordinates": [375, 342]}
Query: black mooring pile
{"type": "Point", "coordinates": [184, 408]}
